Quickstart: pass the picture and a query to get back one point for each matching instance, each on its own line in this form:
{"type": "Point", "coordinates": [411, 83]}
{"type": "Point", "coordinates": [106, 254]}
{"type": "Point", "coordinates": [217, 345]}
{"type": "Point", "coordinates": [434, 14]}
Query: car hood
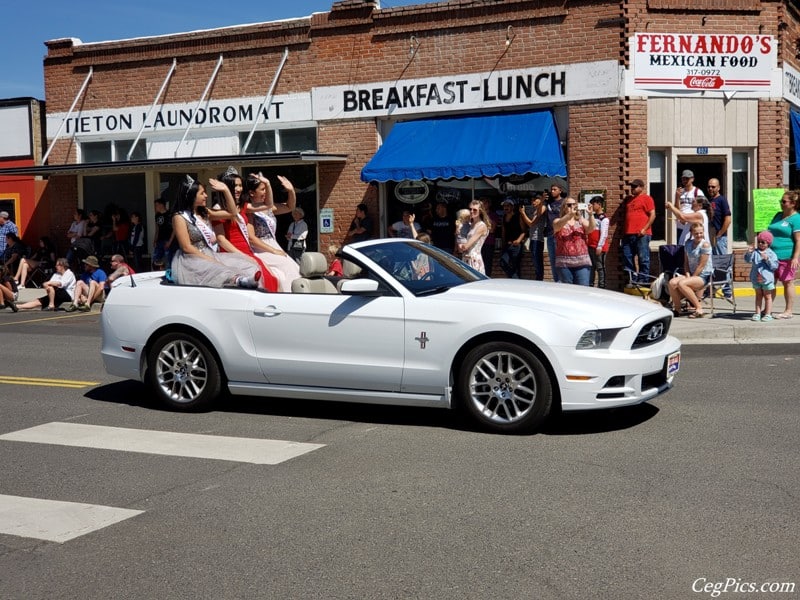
{"type": "Point", "coordinates": [601, 308]}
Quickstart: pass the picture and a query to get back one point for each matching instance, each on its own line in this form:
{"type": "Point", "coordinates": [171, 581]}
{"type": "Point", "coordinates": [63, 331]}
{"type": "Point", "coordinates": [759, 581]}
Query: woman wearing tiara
{"type": "Point", "coordinates": [236, 235]}
{"type": "Point", "coordinates": [258, 192]}
{"type": "Point", "coordinates": [197, 262]}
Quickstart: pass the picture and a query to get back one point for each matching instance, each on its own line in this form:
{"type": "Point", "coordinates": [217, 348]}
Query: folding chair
{"type": "Point", "coordinates": [40, 274]}
{"type": "Point", "coordinates": [723, 275]}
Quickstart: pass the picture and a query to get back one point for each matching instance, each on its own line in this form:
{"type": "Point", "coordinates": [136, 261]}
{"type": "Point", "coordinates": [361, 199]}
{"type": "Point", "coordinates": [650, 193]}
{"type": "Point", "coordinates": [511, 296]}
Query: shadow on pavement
{"type": "Point", "coordinates": [137, 394]}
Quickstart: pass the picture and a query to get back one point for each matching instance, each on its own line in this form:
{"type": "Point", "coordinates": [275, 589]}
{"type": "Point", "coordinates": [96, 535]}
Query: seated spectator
{"type": "Point", "coordinates": [15, 252]}
{"type": "Point", "coordinates": [121, 269]}
{"type": "Point", "coordinates": [91, 287]}
{"type": "Point", "coordinates": [698, 269]}
{"type": "Point", "coordinates": [8, 290]}
{"type": "Point", "coordinates": [43, 256]}
{"type": "Point", "coordinates": [60, 288]}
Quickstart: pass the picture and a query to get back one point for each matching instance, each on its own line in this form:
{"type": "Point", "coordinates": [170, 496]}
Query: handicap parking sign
{"type": "Point", "coordinates": [326, 220]}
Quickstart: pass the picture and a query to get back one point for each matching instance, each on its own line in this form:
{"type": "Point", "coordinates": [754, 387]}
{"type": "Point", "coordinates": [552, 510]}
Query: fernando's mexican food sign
{"type": "Point", "coordinates": [696, 62]}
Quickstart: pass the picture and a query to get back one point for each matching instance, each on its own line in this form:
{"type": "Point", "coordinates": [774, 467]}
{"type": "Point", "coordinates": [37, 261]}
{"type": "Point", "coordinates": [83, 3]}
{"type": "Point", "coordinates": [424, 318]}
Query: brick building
{"type": "Point", "coordinates": [630, 89]}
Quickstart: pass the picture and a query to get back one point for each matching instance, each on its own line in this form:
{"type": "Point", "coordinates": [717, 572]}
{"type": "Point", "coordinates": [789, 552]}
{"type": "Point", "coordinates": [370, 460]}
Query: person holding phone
{"type": "Point", "coordinates": [571, 232]}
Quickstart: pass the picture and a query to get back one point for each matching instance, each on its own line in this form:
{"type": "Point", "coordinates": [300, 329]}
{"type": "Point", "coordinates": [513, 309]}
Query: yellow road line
{"type": "Point", "coordinates": [68, 383]}
{"type": "Point", "coordinates": [65, 316]}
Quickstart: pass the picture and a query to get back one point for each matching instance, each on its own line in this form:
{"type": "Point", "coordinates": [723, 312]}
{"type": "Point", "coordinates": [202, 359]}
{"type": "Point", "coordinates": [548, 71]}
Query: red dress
{"type": "Point", "coordinates": [235, 231]}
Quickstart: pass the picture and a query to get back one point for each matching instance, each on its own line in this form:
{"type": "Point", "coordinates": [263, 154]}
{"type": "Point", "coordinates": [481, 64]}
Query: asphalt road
{"type": "Point", "coordinates": [693, 489]}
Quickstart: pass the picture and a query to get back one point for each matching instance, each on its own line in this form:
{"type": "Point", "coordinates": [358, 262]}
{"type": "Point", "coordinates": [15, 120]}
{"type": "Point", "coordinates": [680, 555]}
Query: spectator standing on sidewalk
{"type": "Point", "coordinates": [640, 212]}
{"type": "Point", "coordinates": [552, 203]}
{"type": "Point", "coordinates": [6, 226]}
{"type": "Point", "coordinates": [598, 242]}
{"type": "Point", "coordinates": [720, 223]}
{"type": "Point", "coordinates": [763, 263]}
{"type": "Point", "coordinates": [163, 235]}
{"type": "Point", "coordinates": [686, 193]}
{"type": "Point", "coordinates": [785, 229]}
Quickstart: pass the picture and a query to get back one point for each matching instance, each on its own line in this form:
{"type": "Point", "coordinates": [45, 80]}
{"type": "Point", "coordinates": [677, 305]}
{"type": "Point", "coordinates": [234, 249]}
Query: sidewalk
{"type": "Point", "coordinates": [724, 328]}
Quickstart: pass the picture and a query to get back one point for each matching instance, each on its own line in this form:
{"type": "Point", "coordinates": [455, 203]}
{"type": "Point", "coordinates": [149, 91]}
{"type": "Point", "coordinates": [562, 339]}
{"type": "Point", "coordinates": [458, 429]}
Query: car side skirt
{"type": "Point", "coordinates": [340, 395]}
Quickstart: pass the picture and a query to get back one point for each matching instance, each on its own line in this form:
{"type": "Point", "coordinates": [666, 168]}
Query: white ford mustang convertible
{"type": "Point", "coordinates": [407, 325]}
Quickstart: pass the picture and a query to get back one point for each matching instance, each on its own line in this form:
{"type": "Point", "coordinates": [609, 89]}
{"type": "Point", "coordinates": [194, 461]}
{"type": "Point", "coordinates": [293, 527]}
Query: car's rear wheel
{"type": "Point", "coordinates": [505, 387]}
{"type": "Point", "coordinates": [183, 372]}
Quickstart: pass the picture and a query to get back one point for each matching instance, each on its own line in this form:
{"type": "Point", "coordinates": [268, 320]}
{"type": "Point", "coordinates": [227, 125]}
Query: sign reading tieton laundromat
{"type": "Point", "coordinates": [211, 114]}
{"type": "Point", "coordinates": [498, 89]}
{"type": "Point", "coordinates": [697, 62]}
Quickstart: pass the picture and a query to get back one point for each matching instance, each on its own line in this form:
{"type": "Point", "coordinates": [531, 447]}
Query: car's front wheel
{"type": "Point", "coordinates": [505, 387]}
{"type": "Point", "coordinates": [183, 372]}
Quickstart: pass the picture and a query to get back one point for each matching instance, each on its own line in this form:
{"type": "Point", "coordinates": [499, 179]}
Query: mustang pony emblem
{"type": "Point", "coordinates": [422, 339]}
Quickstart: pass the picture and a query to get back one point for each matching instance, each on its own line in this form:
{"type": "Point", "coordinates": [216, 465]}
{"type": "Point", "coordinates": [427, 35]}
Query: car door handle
{"type": "Point", "coordinates": [267, 311]}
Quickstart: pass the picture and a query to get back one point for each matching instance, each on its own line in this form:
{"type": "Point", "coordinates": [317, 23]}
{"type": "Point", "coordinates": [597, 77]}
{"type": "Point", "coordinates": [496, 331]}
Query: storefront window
{"type": "Point", "coordinates": [298, 140]}
{"type": "Point", "coordinates": [262, 142]}
{"type": "Point", "coordinates": [122, 147]}
{"type": "Point", "coordinates": [113, 151]}
{"type": "Point", "coordinates": [95, 152]}
{"type": "Point", "coordinates": [739, 196]}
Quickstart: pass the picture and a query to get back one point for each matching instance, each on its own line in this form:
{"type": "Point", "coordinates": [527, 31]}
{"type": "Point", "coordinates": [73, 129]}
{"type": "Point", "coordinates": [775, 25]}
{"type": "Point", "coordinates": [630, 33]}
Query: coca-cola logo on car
{"type": "Point", "coordinates": [703, 83]}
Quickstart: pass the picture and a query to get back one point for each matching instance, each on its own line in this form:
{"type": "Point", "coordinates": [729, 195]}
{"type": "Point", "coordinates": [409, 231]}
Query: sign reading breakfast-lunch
{"type": "Point", "coordinates": [698, 62]}
{"type": "Point", "coordinates": [469, 91]}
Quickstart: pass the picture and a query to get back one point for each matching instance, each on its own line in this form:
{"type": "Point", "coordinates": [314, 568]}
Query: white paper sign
{"type": "Point", "coordinates": [696, 62]}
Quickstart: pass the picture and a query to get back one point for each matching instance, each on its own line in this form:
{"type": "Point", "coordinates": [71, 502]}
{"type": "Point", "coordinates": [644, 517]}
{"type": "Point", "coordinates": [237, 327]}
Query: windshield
{"type": "Point", "coordinates": [422, 269]}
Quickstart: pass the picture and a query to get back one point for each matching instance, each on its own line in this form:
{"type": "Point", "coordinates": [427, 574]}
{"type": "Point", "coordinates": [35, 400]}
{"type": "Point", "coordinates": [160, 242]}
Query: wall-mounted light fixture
{"type": "Point", "coordinates": [704, 20]}
{"type": "Point", "coordinates": [413, 46]}
{"type": "Point", "coordinates": [510, 35]}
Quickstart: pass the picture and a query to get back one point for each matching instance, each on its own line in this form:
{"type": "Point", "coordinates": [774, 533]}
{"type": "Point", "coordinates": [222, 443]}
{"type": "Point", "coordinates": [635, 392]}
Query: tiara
{"type": "Point", "coordinates": [189, 180]}
{"type": "Point", "coordinates": [231, 172]}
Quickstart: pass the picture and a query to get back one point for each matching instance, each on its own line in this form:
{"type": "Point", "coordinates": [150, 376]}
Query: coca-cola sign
{"type": "Point", "coordinates": [703, 83]}
{"type": "Point", "coordinates": [715, 62]}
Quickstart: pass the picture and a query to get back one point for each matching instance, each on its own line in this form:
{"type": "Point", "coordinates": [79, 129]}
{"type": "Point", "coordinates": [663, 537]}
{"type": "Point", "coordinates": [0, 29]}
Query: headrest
{"type": "Point", "coordinates": [350, 269]}
{"type": "Point", "coordinates": [313, 264]}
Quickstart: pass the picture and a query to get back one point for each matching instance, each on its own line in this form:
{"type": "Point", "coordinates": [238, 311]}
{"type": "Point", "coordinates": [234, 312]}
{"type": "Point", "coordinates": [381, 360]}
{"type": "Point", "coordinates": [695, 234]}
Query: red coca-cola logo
{"type": "Point", "coordinates": [703, 83]}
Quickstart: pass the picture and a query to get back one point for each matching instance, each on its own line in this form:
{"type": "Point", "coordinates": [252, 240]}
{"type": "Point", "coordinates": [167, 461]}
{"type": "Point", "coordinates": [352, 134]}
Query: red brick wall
{"type": "Point", "coordinates": [355, 44]}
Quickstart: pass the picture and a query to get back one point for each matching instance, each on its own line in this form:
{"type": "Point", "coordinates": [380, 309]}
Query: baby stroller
{"type": "Point", "coordinates": [670, 257]}
{"type": "Point", "coordinates": [654, 287]}
{"type": "Point", "coordinates": [81, 249]}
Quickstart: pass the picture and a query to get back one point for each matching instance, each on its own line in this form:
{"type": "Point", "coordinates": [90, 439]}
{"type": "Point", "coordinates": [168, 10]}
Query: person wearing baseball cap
{"type": "Point", "coordinates": [640, 212]}
{"type": "Point", "coordinates": [685, 196]}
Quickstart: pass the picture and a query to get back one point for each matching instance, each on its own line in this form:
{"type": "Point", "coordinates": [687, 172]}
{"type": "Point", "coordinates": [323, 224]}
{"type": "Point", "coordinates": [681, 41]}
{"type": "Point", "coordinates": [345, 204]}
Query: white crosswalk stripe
{"type": "Point", "coordinates": [217, 447]}
{"type": "Point", "coordinates": [56, 521]}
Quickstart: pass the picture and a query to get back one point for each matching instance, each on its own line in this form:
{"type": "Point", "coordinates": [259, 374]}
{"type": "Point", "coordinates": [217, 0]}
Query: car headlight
{"type": "Point", "coordinates": [596, 338]}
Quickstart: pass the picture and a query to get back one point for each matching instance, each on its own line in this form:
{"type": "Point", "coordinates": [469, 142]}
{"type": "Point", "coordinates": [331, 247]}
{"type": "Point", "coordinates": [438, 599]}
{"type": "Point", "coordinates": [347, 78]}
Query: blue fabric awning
{"type": "Point", "coordinates": [469, 147]}
{"type": "Point", "coordinates": [795, 118]}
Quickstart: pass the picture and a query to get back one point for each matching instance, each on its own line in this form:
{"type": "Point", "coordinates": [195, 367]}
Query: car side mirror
{"type": "Point", "coordinates": [359, 287]}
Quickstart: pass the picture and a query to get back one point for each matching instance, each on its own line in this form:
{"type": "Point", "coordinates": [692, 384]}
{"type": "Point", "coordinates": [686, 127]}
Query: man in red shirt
{"type": "Point", "coordinates": [640, 212]}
